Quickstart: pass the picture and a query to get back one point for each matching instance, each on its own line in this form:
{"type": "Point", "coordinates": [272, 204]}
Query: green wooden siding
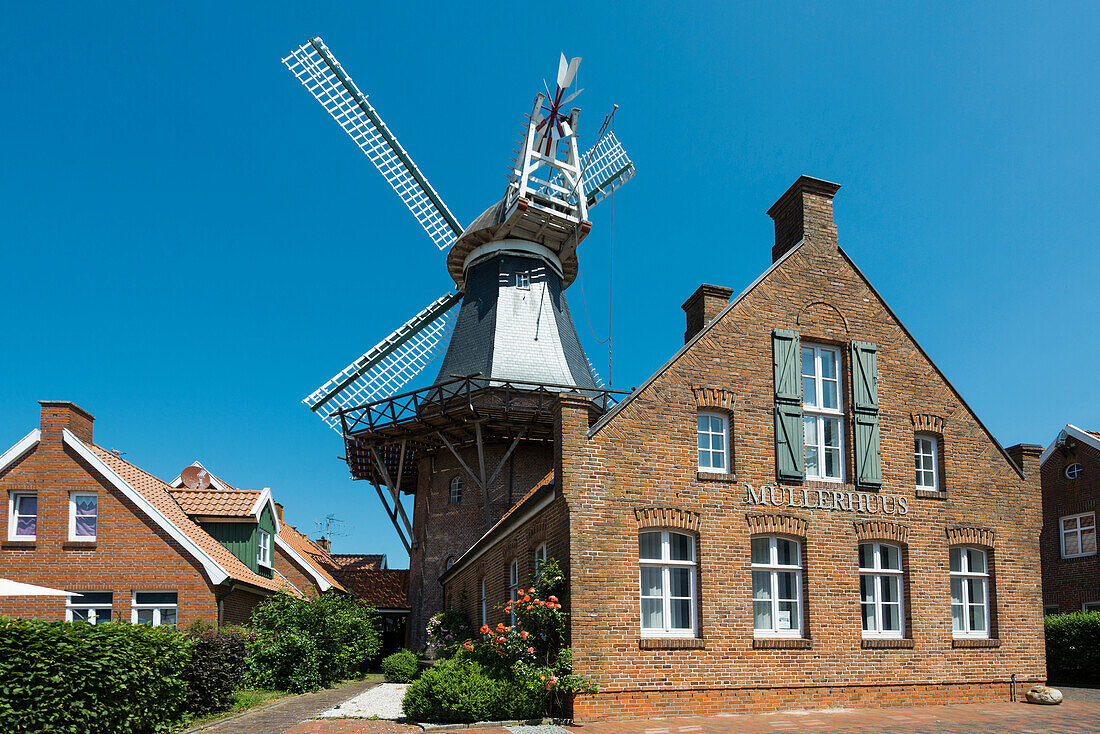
{"type": "Point", "coordinates": [242, 539]}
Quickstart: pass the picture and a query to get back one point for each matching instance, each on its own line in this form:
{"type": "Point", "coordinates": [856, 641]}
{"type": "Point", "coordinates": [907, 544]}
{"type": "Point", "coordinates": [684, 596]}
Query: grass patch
{"type": "Point", "coordinates": [243, 700]}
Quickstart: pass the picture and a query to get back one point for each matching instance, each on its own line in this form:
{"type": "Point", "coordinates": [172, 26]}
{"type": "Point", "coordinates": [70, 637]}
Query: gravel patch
{"type": "Point", "coordinates": [382, 702]}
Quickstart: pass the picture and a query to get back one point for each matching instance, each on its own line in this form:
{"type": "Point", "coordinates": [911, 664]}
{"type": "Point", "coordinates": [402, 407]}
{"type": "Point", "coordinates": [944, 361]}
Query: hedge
{"type": "Point", "coordinates": [1073, 647]}
{"type": "Point", "coordinates": [216, 670]}
{"type": "Point", "coordinates": [401, 667]}
{"type": "Point", "coordinates": [111, 678]}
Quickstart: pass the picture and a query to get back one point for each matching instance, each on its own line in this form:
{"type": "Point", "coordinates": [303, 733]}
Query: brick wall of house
{"type": "Point", "coordinates": [130, 553]}
{"type": "Point", "coordinates": [443, 530]}
{"type": "Point", "coordinates": [238, 605]}
{"type": "Point", "coordinates": [1068, 583]}
{"type": "Point", "coordinates": [640, 470]}
{"type": "Point", "coordinates": [285, 565]}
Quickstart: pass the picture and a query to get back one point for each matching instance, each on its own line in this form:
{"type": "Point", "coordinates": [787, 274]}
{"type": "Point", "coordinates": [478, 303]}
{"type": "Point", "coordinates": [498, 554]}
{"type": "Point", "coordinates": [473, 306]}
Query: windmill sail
{"type": "Point", "coordinates": [320, 73]}
{"type": "Point", "coordinates": [389, 365]}
{"type": "Point", "coordinates": [606, 168]}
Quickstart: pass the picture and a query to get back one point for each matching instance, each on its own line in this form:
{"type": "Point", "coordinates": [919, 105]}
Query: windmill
{"type": "Point", "coordinates": [550, 189]}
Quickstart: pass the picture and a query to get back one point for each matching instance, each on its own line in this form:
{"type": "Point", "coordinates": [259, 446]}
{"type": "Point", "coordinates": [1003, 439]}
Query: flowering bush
{"type": "Point", "coordinates": [447, 631]}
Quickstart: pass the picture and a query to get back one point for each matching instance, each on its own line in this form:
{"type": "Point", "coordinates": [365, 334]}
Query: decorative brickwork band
{"type": "Point", "coordinates": [667, 517]}
{"type": "Point", "coordinates": [927, 423]}
{"type": "Point", "coordinates": [713, 397]}
{"type": "Point", "coordinates": [776, 524]}
{"type": "Point", "coordinates": [881, 530]}
{"type": "Point", "coordinates": [970, 536]}
{"type": "Point", "coordinates": [782, 643]}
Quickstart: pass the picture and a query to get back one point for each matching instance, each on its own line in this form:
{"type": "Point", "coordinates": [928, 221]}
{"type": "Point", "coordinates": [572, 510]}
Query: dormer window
{"type": "Point", "coordinates": [263, 554]}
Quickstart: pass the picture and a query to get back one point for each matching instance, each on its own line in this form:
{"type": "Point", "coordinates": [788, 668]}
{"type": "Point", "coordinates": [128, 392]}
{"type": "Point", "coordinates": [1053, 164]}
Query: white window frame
{"type": "Point", "coordinates": [77, 602]}
{"type": "Point", "coordinates": [13, 525]}
{"type": "Point", "coordinates": [967, 579]}
{"type": "Point", "coordinates": [523, 280]}
{"type": "Point", "coordinates": [456, 490]}
{"type": "Point", "coordinates": [725, 433]}
{"type": "Point", "coordinates": [263, 549]}
{"type": "Point", "coordinates": [484, 604]}
{"type": "Point", "coordinates": [1079, 532]}
{"type": "Point", "coordinates": [666, 564]}
{"type": "Point", "coordinates": [918, 453]}
{"type": "Point", "coordinates": [774, 568]}
{"type": "Point", "coordinates": [877, 573]}
{"type": "Point", "coordinates": [513, 587]}
{"type": "Point", "coordinates": [540, 557]}
{"type": "Point", "coordinates": [73, 537]}
{"type": "Point", "coordinates": [1090, 606]}
{"type": "Point", "coordinates": [156, 608]}
{"type": "Point", "coordinates": [814, 411]}
{"type": "Point", "coordinates": [1078, 470]}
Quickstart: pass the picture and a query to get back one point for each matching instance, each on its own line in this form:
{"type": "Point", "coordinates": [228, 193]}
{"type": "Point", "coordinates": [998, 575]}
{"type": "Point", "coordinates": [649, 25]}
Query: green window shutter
{"type": "Point", "coordinates": [790, 443]}
{"type": "Point", "coordinates": [787, 361]}
{"type": "Point", "coordinates": [868, 453]}
{"type": "Point", "coordinates": [864, 376]}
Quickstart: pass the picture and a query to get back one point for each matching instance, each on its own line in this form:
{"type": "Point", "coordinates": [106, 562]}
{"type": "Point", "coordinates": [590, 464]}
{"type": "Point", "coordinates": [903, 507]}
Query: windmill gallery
{"type": "Point", "coordinates": [796, 509]}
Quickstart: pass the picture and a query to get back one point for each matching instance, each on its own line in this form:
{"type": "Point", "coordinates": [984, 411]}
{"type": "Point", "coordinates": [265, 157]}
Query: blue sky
{"type": "Point", "coordinates": [193, 245]}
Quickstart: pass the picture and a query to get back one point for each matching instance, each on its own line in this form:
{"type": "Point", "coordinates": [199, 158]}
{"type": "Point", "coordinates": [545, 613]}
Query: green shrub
{"type": "Point", "coordinates": [401, 667]}
{"type": "Point", "coordinates": [447, 631]}
{"type": "Point", "coordinates": [216, 670]}
{"type": "Point", "coordinates": [111, 678]}
{"type": "Point", "coordinates": [1073, 647]}
{"type": "Point", "coordinates": [303, 644]}
{"type": "Point", "coordinates": [459, 691]}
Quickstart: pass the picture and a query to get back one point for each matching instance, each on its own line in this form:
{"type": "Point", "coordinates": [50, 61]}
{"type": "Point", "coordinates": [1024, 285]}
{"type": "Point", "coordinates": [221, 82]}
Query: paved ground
{"type": "Point", "coordinates": [280, 716]}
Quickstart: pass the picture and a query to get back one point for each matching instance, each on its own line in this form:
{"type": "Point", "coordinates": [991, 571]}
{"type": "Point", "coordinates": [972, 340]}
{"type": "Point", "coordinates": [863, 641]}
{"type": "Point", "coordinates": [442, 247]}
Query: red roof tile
{"type": "Point", "coordinates": [382, 588]}
{"type": "Point", "coordinates": [361, 560]}
{"type": "Point", "coordinates": [215, 502]}
{"type": "Point", "coordinates": [316, 556]}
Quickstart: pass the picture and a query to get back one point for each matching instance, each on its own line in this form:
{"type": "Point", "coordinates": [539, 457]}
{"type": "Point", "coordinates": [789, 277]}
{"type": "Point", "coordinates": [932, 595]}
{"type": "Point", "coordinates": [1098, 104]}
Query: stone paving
{"type": "Point", "coordinates": [280, 716]}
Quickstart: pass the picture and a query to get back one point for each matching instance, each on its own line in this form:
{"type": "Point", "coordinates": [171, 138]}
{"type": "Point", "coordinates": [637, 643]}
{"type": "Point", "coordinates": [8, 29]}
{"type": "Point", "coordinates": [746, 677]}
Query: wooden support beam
{"type": "Point", "coordinates": [393, 518]}
{"type": "Point", "coordinates": [511, 448]}
{"type": "Point", "coordinates": [393, 490]}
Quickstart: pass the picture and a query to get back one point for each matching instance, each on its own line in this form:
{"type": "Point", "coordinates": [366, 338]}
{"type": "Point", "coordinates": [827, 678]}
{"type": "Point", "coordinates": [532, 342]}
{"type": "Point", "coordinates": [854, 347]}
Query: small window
{"type": "Point", "coordinates": [880, 590]}
{"type": "Point", "coordinates": [822, 408]}
{"type": "Point", "coordinates": [712, 431]}
{"type": "Point", "coordinates": [1074, 471]}
{"type": "Point", "coordinates": [667, 561]}
{"type": "Point", "coordinates": [484, 604]}
{"type": "Point", "coordinates": [456, 490]}
{"type": "Point", "coordinates": [540, 558]}
{"type": "Point", "coordinates": [22, 516]}
{"type": "Point", "coordinates": [926, 460]}
{"type": "Point", "coordinates": [448, 563]}
{"type": "Point", "coordinates": [93, 607]}
{"type": "Point", "coordinates": [1090, 606]}
{"type": "Point", "coordinates": [154, 608]}
{"type": "Point", "coordinates": [969, 592]}
{"type": "Point", "coordinates": [513, 587]}
{"type": "Point", "coordinates": [263, 554]}
{"type": "Point", "coordinates": [83, 516]}
{"type": "Point", "coordinates": [776, 587]}
{"type": "Point", "coordinates": [523, 280]}
{"type": "Point", "coordinates": [1079, 535]}
{"type": "Point", "coordinates": [1050, 609]}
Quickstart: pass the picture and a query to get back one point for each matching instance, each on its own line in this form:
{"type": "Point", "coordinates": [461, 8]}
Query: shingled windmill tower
{"type": "Point", "coordinates": [508, 341]}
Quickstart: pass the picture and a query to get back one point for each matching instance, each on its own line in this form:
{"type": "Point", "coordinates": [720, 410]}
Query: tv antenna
{"type": "Point", "coordinates": [331, 526]}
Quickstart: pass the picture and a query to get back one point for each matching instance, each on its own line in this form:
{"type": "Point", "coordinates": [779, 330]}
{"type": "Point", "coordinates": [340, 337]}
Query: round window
{"type": "Point", "coordinates": [1073, 471]}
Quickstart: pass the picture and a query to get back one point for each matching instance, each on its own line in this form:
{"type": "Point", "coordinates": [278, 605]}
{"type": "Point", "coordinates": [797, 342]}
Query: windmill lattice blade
{"type": "Point", "coordinates": [390, 364]}
{"type": "Point", "coordinates": [320, 73]}
{"type": "Point", "coordinates": [606, 168]}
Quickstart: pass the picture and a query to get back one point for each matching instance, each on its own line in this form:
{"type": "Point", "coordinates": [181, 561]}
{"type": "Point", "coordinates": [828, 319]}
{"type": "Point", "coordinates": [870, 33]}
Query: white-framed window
{"type": "Point", "coordinates": [1074, 471]}
{"type": "Point", "coordinates": [1078, 535]}
{"type": "Point", "coordinates": [456, 490]}
{"type": "Point", "coordinates": [22, 516]}
{"type": "Point", "coordinates": [926, 460]}
{"type": "Point", "coordinates": [667, 577]}
{"type": "Point", "coordinates": [263, 552]}
{"type": "Point", "coordinates": [880, 590]}
{"type": "Point", "coordinates": [540, 557]}
{"type": "Point", "coordinates": [712, 432]}
{"type": "Point", "coordinates": [484, 604]}
{"type": "Point", "coordinates": [822, 413]}
{"type": "Point", "coordinates": [92, 607]}
{"type": "Point", "coordinates": [83, 516]}
{"type": "Point", "coordinates": [969, 592]}
{"type": "Point", "coordinates": [155, 608]}
{"type": "Point", "coordinates": [1090, 606]}
{"type": "Point", "coordinates": [776, 587]}
{"type": "Point", "coordinates": [523, 280]}
{"type": "Point", "coordinates": [1050, 609]}
{"type": "Point", "coordinates": [513, 587]}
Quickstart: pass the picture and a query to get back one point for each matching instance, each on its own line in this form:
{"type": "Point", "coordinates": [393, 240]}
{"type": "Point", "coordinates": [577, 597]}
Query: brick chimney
{"type": "Point", "coordinates": [279, 511]}
{"type": "Point", "coordinates": [1026, 456]}
{"type": "Point", "coordinates": [59, 414]}
{"type": "Point", "coordinates": [323, 543]}
{"type": "Point", "coordinates": [805, 211]}
{"type": "Point", "coordinates": [703, 306]}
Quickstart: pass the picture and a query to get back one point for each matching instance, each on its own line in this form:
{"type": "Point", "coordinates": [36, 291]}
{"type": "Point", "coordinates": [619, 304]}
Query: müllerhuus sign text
{"type": "Point", "coordinates": [825, 499]}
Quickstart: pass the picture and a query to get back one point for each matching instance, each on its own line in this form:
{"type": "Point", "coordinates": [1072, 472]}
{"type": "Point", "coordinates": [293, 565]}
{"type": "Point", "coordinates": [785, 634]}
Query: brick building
{"type": "Point", "coordinates": [1071, 490]}
{"type": "Point", "coordinates": [81, 518]}
{"type": "Point", "coordinates": [797, 509]}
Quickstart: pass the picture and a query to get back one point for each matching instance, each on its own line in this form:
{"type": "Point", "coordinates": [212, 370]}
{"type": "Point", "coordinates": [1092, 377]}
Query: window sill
{"type": "Point", "coordinates": [886, 643]}
{"type": "Point", "coordinates": [672, 643]}
{"type": "Point", "coordinates": [79, 545]}
{"type": "Point", "coordinates": [931, 494]}
{"type": "Point", "coordinates": [715, 476]}
{"type": "Point", "coordinates": [22, 544]}
{"type": "Point", "coordinates": [975, 642]}
{"type": "Point", "coordinates": [782, 643]}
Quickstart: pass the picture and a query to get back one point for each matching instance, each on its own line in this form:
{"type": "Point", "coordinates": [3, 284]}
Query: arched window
{"type": "Point", "coordinates": [880, 590]}
{"type": "Point", "coordinates": [456, 490]}
{"type": "Point", "coordinates": [969, 592]}
{"type": "Point", "coordinates": [484, 604]}
{"type": "Point", "coordinates": [668, 590]}
{"type": "Point", "coordinates": [540, 558]}
{"type": "Point", "coordinates": [776, 587]}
